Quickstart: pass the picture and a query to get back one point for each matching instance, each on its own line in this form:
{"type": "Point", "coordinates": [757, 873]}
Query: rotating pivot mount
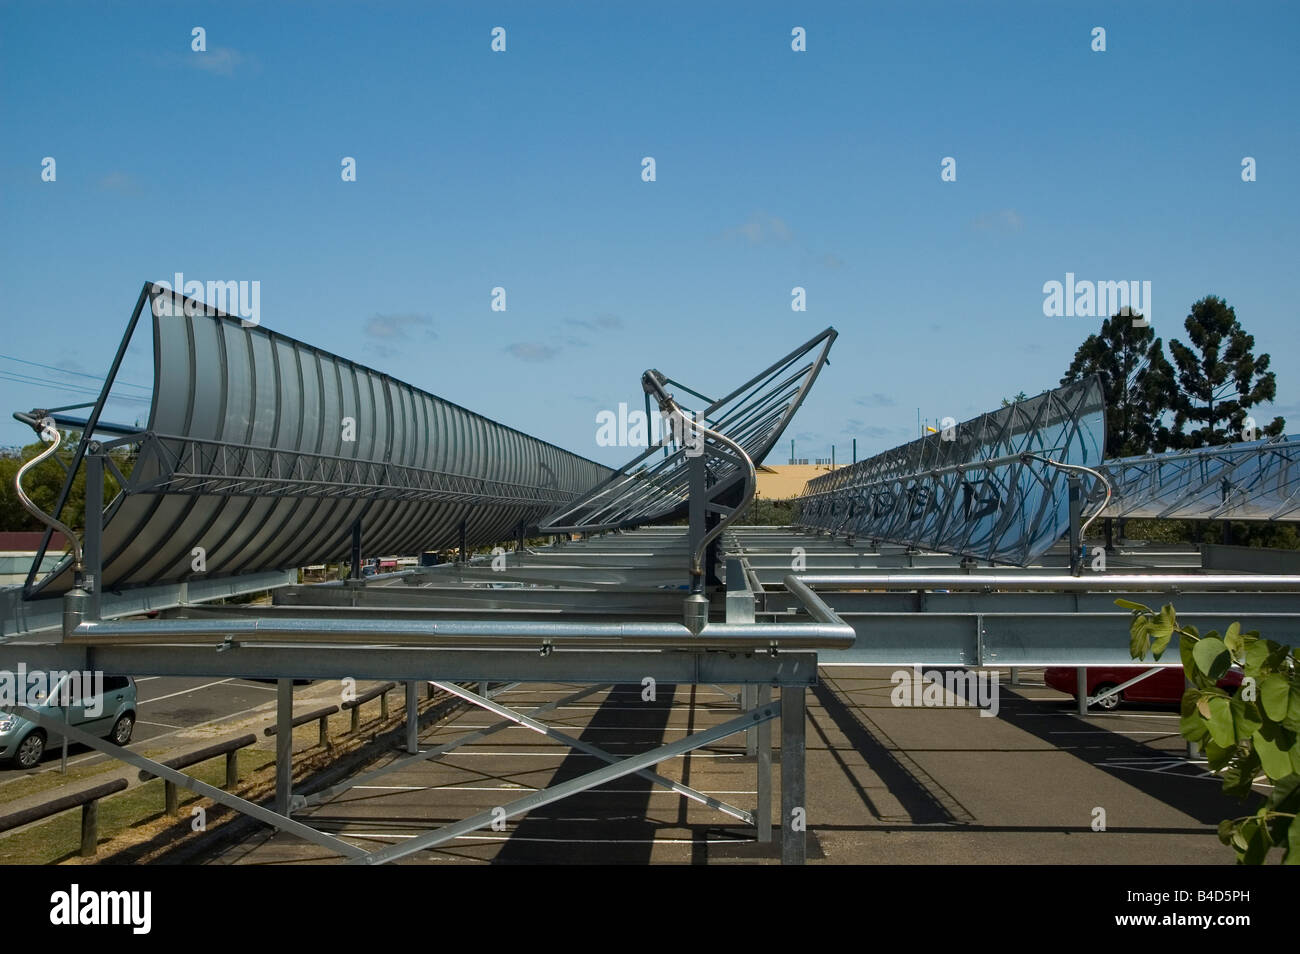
{"type": "Point", "coordinates": [707, 508]}
{"type": "Point", "coordinates": [702, 467]}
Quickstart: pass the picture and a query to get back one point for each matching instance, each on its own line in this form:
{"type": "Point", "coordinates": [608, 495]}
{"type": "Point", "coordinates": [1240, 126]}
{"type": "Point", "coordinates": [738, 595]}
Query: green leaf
{"type": "Point", "coordinates": [1168, 617]}
{"type": "Point", "coordinates": [1160, 644]}
{"type": "Point", "coordinates": [1257, 844]}
{"type": "Point", "coordinates": [1221, 727]}
{"type": "Point", "coordinates": [1226, 829]}
{"type": "Point", "coordinates": [1292, 856]}
{"type": "Point", "coordinates": [1218, 756]}
{"type": "Point", "coordinates": [1285, 796]}
{"type": "Point", "coordinates": [1241, 835]}
{"type": "Point", "coordinates": [1256, 653]}
{"type": "Point", "coordinates": [1212, 657]}
{"type": "Point", "coordinates": [1276, 762]}
{"type": "Point", "coordinates": [1275, 696]}
{"type": "Point", "coordinates": [1277, 654]}
{"type": "Point", "coordinates": [1193, 728]}
{"type": "Point", "coordinates": [1246, 717]}
{"type": "Point", "coordinates": [1233, 639]}
{"type": "Point", "coordinates": [1239, 778]}
{"type": "Point", "coordinates": [1138, 640]}
{"type": "Point", "coordinates": [1135, 607]}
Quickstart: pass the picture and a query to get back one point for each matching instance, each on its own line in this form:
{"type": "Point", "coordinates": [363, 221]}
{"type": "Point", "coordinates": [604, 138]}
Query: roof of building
{"type": "Point", "coordinates": [786, 481]}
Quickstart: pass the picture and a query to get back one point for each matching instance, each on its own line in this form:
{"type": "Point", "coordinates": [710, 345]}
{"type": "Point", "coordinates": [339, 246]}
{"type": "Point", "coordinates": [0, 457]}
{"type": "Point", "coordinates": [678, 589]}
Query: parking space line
{"type": "Point", "coordinates": [172, 695]}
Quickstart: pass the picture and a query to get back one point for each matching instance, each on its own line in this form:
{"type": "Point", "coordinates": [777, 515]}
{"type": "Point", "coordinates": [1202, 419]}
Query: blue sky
{"type": "Point", "coordinates": [774, 169]}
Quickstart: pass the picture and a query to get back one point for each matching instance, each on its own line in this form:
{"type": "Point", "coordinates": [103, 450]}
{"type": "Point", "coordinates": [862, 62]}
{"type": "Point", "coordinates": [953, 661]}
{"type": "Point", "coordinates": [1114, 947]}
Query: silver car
{"type": "Point", "coordinates": [113, 718]}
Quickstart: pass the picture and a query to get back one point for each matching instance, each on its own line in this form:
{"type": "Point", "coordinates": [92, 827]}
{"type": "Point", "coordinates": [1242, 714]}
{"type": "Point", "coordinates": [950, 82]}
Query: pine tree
{"type": "Point", "coordinates": [1221, 380]}
{"type": "Point", "coordinates": [1136, 379]}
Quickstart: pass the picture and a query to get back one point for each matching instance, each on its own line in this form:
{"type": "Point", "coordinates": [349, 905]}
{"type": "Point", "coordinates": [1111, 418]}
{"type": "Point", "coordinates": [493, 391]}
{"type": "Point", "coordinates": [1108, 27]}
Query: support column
{"type": "Point", "coordinates": [764, 811]}
{"type": "Point", "coordinates": [1076, 516]}
{"type": "Point", "coordinates": [794, 844]}
{"type": "Point", "coordinates": [748, 695]}
{"type": "Point", "coordinates": [92, 542]}
{"type": "Point", "coordinates": [356, 550]}
{"type": "Point", "coordinates": [1081, 688]}
{"type": "Point", "coordinates": [412, 719]}
{"type": "Point", "coordinates": [696, 513]}
{"type": "Point", "coordinates": [283, 745]}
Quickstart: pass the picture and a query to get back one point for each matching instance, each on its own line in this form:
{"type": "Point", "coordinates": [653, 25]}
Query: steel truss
{"type": "Point", "coordinates": [168, 464]}
{"type": "Point", "coordinates": [793, 673]}
{"type": "Point", "coordinates": [1256, 480]}
{"type": "Point", "coordinates": [267, 453]}
{"type": "Point", "coordinates": [989, 488]}
{"type": "Point", "coordinates": [657, 484]}
{"type": "Point", "coordinates": [949, 615]}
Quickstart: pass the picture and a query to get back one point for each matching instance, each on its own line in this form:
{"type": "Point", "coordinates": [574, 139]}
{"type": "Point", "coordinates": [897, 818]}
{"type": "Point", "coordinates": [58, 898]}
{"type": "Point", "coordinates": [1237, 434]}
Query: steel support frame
{"type": "Point", "coordinates": [575, 743]}
{"type": "Point", "coordinates": [276, 819]}
{"type": "Point", "coordinates": [438, 751]}
{"type": "Point", "coordinates": [791, 672]}
{"type": "Point", "coordinates": [608, 773]}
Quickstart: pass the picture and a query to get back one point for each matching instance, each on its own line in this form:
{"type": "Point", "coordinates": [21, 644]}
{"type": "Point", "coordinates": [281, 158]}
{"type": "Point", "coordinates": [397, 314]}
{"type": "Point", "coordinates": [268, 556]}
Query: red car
{"type": "Point", "coordinates": [1167, 685]}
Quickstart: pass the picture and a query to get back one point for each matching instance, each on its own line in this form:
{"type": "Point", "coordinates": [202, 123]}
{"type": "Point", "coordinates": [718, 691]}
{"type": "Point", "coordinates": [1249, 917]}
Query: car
{"type": "Point", "coordinates": [1167, 685]}
{"type": "Point", "coordinates": [24, 742]}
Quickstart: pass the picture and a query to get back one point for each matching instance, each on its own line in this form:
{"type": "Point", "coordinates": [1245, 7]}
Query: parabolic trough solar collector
{"type": "Point", "coordinates": [265, 451]}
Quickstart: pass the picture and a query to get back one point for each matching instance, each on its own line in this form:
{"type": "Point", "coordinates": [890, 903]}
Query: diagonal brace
{"type": "Point", "coordinates": [282, 822]}
{"type": "Point", "coordinates": [582, 783]}
{"type": "Point", "coordinates": [325, 794]}
{"type": "Point", "coordinates": [580, 745]}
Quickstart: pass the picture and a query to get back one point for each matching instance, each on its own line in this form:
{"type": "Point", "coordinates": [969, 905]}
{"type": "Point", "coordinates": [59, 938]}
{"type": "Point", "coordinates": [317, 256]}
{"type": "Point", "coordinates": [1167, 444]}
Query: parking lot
{"type": "Point", "coordinates": [167, 707]}
{"type": "Point", "coordinates": [886, 784]}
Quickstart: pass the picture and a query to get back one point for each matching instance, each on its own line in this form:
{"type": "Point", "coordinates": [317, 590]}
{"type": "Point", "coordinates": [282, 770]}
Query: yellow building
{"type": "Point", "coordinates": [786, 481]}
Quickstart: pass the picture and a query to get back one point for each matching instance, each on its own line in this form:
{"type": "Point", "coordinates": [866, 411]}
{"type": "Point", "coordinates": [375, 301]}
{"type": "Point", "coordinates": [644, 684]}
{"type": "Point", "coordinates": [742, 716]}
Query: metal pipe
{"type": "Point", "coordinates": [1000, 581]}
{"type": "Point", "coordinates": [813, 603]}
{"type": "Point", "coordinates": [1078, 468]}
{"type": "Point", "coordinates": [48, 432]}
{"type": "Point", "coordinates": [652, 382]}
{"type": "Point", "coordinates": [470, 633]}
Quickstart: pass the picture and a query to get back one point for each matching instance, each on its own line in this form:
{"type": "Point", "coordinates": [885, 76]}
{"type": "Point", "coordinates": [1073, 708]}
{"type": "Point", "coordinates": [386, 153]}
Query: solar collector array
{"type": "Point", "coordinates": [243, 418]}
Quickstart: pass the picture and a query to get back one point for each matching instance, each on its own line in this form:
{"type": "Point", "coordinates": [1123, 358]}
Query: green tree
{"type": "Point", "coordinates": [1015, 399]}
{"type": "Point", "coordinates": [1250, 735]}
{"type": "Point", "coordinates": [1220, 380]}
{"type": "Point", "coordinates": [44, 483]}
{"type": "Point", "coordinates": [1136, 380]}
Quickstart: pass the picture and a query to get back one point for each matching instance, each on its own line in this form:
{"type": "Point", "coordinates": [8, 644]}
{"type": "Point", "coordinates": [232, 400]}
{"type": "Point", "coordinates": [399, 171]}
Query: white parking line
{"type": "Point", "coordinates": [172, 695]}
{"type": "Point", "coordinates": [380, 836]}
{"type": "Point", "coordinates": [1112, 732]}
{"type": "Point", "coordinates": [1097, 715]}
{"type": "Point", "coordinates": [513, 788]}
